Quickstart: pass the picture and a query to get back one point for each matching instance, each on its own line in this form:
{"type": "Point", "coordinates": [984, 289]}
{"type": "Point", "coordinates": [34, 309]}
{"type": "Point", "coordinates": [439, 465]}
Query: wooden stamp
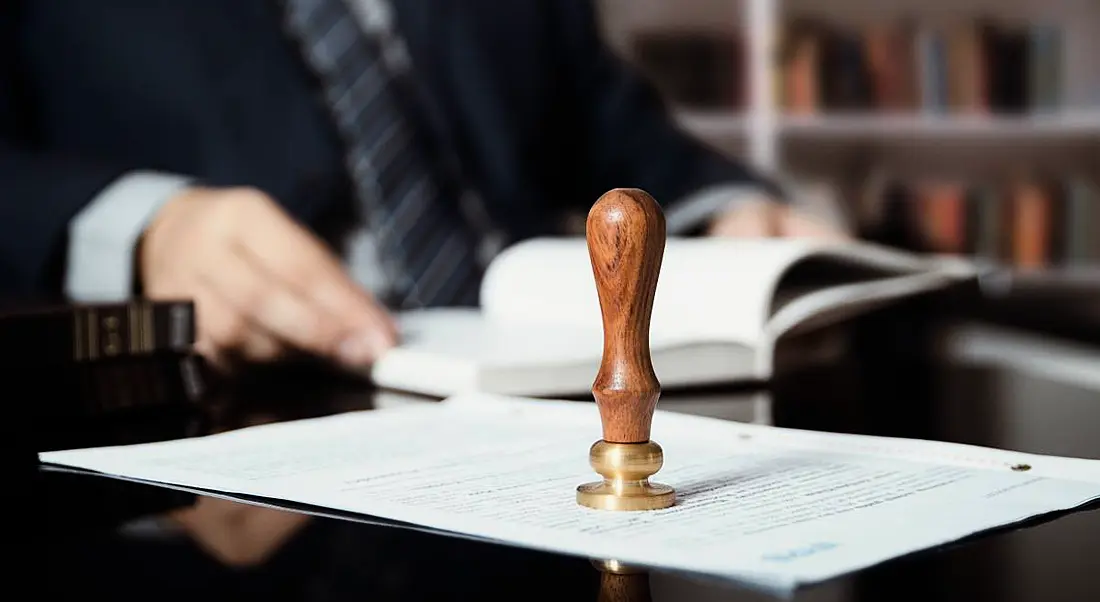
{"type": "Point", "coordinates": [625, 230]}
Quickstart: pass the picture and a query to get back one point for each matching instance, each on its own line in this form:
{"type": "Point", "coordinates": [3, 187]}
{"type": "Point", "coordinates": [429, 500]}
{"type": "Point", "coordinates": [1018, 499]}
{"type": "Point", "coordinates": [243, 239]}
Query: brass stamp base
{"type": "Point", "coordinates": [645, 496]}
{"type": "Point", "coordinates": [626, 468]}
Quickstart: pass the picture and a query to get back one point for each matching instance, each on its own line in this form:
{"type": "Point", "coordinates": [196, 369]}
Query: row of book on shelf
{"type": "Point", "coordinates": [971, 66]}
{"type": "Point", "coordinates": [963, 66]}
{"type": "Point", "coordinates": [1026, 222]}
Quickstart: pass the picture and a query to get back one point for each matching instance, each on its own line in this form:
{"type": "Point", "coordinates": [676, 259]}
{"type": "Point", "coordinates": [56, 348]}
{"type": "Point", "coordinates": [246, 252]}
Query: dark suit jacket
{"type": "Point", "coordinates": [540, 112]}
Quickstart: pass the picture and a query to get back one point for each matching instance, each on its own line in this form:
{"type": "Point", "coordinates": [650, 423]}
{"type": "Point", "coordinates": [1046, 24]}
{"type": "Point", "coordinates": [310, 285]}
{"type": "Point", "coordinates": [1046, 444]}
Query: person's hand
{"type": "Point", "coordinates": [765, 218]}
{"type": "Point", "coordinates": [261, 283]}
{"type": "Point", "coordinates": [237, 535]}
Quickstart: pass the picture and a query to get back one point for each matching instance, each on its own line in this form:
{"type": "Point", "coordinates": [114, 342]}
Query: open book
{"type": "Point", "coordinates": [720, 307]}
{"type": "Point", "coordinates": [767, 507]}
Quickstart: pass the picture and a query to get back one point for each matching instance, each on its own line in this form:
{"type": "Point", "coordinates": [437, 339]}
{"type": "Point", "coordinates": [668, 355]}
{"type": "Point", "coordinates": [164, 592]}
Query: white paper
{"type": "Point", "coordinates": [771, 508]}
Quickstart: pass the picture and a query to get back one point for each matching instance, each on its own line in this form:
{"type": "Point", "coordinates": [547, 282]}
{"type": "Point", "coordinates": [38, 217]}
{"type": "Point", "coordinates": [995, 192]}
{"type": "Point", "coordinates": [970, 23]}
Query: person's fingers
{"type": "Point", "coordinates": [225, 332]}
{"type": "Point", "coordinates": [766, 219]}
{"type": "Point", "coordinates": [260, 346]}
{"type": "Point", "coordinates": [369, 329]}
{"type": "Point", "coordinates": [749, 220]}
{"type": "Point", "coordinates": [293, 255]}
{"type": "Point", "coordinates": [264, 303]}
{"type": "Point", "coordinates": [800, 225]}
{"type": "Point", "coordinates": [237, 534]}
{"type": "Point", "coordinates": [360, 328]}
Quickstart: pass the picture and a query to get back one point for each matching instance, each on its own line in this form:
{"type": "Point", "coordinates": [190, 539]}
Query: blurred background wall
{"type": "Point", "coordinates": [962, 127]}
{"type": "Point", "coordinates": [952, 126]}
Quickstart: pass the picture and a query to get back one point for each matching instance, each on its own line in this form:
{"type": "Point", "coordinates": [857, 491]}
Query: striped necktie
{"type": "Point", "coordinates": [427, 249]}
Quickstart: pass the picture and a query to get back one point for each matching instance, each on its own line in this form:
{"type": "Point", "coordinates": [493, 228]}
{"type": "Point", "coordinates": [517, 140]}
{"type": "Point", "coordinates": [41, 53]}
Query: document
{"type": "Point", "coordinates": [770, 508]}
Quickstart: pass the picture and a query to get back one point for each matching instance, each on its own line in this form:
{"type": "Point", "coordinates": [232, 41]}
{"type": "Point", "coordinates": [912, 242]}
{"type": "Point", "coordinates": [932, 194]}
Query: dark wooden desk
{"type": "Point", "coordinates": [890, 386]}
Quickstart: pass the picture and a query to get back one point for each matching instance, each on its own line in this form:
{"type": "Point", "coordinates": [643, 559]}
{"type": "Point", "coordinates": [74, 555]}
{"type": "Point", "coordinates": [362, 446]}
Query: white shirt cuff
{"type": "Point", "coordinates": [102, 237]}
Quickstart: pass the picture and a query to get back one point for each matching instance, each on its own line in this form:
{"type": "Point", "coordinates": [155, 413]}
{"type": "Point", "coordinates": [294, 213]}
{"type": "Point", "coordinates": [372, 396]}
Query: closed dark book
{"type": "Point", "coordinates": [109, 387]}
{"type": "Point", "coordinates": [899, 225]}
{"type": "Point", "coordinates": [1058, 199]}
{"type": "Point", "coordinates": [82, 333]}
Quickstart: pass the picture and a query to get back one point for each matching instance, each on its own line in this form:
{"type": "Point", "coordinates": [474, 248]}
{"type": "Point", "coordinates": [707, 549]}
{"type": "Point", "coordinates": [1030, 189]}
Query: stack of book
{"type": "Point", "coordinates": [90, 375]}
{"type": "Point", "coordinates": [84, 362]}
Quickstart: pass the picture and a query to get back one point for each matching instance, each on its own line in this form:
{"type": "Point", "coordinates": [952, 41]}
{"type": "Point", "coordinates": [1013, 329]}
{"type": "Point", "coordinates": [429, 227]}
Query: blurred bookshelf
{"type": "Point", "coordinates": [965, 127]}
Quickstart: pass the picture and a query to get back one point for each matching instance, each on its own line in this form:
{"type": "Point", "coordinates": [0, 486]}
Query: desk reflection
{"type": "Point", "coordinates": [298, 556]}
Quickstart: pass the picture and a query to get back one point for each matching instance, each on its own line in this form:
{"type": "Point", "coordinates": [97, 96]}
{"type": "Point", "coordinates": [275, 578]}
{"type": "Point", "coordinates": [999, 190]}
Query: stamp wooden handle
{"type": "Point", "coordinates": [625, 588]}
{"type": "Point", "coordinates": [625, 230]}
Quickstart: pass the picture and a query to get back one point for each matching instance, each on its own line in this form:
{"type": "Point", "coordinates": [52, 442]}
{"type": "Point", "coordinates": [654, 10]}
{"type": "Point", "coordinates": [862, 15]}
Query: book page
{"type": "Point", "coordinates": [899, 276]}
{"type": "Point", "coordinates": [709, 289]}
{"type": "Point", "coordinates": [769, 508]}
{"type": "Point", "coordinates": [831, 305]}
{"type": "Point", "coordinates": [448, 350]}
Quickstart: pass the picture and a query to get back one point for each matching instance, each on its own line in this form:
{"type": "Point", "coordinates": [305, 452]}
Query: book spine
{"type": "Point", "coordinates": [137, 328]}
{"type": "Point", "coordinates": [1082, 217]}
{"type": "Point", "coordinates": [1032, 225]}
{"type": "Point", "coordinates": [83, 333]}
{"type": "Point", "coordinates": [927, 78]}
{"type": "Point", "coordinates": [1045, 76]}
{"type": "Point", "coordinates": [982, 234]}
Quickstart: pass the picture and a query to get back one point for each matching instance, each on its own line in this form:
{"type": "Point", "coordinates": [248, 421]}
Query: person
{"type": "Point", "coordinates": [301, 169]}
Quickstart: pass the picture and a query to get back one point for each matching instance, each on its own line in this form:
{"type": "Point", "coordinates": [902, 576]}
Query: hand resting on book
{"type": "Point", "coordinates": [263, 285]}
{"type": "Point", "coordinates": [764, 218]}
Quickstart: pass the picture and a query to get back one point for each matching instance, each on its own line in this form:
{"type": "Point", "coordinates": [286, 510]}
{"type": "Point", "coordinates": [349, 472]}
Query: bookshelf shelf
{"type": "Point", "coordinates": [1069, 125]}
{"type": "Point", "coordinates": [710, 124]}
{"type": "Point", "coordinates": [1072, 127]}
